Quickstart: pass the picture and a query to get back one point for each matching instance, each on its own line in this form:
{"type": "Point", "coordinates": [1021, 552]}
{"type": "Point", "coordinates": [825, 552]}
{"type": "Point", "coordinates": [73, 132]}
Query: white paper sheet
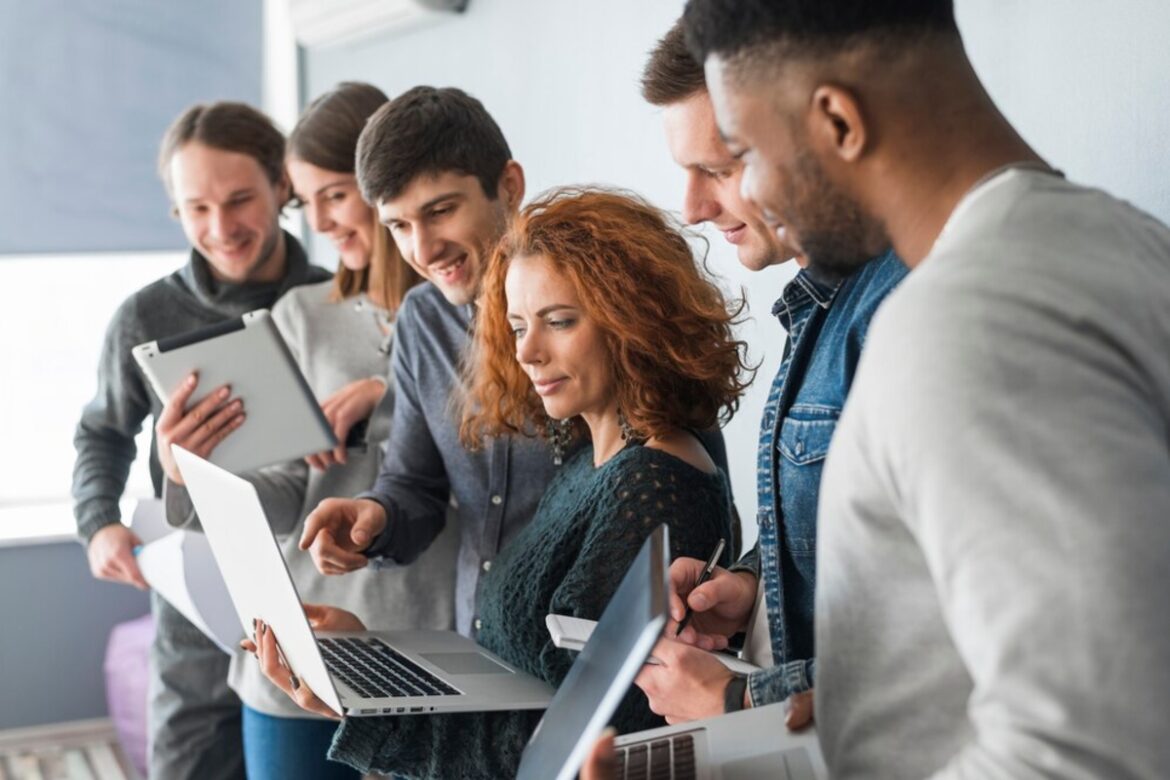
{"type": "Point", "coordinates": [149, 521]}
{"type": "Point", "coordinates": [180, 566]}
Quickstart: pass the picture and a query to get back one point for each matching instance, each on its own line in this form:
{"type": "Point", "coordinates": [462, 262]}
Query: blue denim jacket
{"type": "Point", "coordinates": [827, 320]}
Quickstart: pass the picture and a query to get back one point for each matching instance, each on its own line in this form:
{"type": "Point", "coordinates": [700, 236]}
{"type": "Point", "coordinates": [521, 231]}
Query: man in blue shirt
{"type": "Point", "coordinates": [439, 171]}
{"type": "Point", "coordinates": [826, 317]}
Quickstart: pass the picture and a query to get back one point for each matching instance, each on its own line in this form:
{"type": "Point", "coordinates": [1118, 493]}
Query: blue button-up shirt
{"type": "Point", "coordinates": [496, 488]}
{"type": "Point", "coordinates": [826, 319]}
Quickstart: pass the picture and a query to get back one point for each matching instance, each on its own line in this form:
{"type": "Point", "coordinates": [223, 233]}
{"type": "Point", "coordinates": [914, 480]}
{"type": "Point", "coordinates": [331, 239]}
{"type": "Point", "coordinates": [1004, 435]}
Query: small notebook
{"type": "Point", "coordinates": [571, 633]}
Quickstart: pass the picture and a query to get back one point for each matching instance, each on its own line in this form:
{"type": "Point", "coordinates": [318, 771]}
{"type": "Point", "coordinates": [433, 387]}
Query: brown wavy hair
{"type": "Point", "coordinates": [326, 136]}
{"type": "Point", "coordinates": [667, 327]}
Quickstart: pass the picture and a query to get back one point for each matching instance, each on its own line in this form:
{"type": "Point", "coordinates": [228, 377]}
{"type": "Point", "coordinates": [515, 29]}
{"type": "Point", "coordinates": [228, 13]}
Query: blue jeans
{"type": "Point", "coordinates": [290, 748]}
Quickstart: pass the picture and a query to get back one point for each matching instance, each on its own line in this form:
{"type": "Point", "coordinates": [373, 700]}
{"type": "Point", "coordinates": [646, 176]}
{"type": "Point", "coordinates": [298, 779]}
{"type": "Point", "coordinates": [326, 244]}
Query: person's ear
{"type": "Point", "coordinates": [837, 124]}
{"type": "Point", "coordinates": [511, 186]}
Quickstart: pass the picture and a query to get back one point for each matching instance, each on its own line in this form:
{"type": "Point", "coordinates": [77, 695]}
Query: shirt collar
{"type": "Point", "coordinates": [809, 285]}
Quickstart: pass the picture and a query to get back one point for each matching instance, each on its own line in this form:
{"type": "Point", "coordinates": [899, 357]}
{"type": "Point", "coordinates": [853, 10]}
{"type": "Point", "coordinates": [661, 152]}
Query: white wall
{"type": "Point", "coordinates": [1083, 79]}
{"type": "Point", "coordinates": [1087, 83]}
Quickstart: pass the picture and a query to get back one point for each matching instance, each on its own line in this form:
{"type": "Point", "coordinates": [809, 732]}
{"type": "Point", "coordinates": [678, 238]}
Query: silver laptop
{"type": "Point", "coordinates": [745, 745]}
{"type": "Point", "coordinates": [749, 744]}
{"type": "Point", "coordinates": [603, 672]}
{"type": "Point", "coordinates": [356, 673]}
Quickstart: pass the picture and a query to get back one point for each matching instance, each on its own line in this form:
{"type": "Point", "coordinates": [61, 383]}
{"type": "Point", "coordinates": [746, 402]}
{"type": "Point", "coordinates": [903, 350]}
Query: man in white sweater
{"type": "Point", "coordinates": [995, 510]}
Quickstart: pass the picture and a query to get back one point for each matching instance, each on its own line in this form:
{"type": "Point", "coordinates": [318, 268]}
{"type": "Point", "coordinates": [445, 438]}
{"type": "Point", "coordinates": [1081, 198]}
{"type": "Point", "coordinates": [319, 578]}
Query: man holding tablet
{"type": "Point", "coordinates": [223, 165]}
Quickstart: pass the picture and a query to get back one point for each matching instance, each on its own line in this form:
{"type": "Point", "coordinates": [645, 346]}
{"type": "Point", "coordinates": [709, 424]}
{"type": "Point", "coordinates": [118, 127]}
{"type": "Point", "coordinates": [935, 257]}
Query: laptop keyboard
{"type": "Point", "coordinates": [669, 758]}
{"type": "Point", "coordinates": [375, 670]}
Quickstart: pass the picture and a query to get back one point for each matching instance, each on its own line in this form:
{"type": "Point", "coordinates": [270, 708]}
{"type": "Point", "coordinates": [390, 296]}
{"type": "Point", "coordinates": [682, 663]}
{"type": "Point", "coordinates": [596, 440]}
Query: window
{"type": "Point", "coordinates": [55, 312]}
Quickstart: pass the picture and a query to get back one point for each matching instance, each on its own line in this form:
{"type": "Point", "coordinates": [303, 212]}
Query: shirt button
{"type": "Point", "coordinates": [487, 565]}
{"type": "Point", "coordinates": [800, 448]}
{"type": "Point", "coordinates": [496, 500]}
{"type": "Point", "coordinates": [478, 624]}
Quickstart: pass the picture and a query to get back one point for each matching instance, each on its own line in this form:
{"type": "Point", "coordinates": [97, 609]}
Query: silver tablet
{"type": "Point", "coordinates": [284, 420]}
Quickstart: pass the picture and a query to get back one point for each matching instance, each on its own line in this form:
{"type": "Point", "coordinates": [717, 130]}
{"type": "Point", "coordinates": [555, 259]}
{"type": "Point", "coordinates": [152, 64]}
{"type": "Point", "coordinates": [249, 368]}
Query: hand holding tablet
{"type": "Point", "coordinates": [239, 364]}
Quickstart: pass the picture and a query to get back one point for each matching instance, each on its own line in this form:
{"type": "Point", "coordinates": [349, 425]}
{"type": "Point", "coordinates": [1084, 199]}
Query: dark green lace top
{"type": "Point", "coordinates": [569, 560]}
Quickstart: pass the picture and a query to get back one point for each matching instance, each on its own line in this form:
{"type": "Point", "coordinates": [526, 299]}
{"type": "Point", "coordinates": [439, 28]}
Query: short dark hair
{"type": "Point", "coordinates": [730, 27]}
{"type": "Point", "coordinates": [327, 133]}
{"type": "Point", "coordinates": [230, 127]}
{"type": "Point", "coordinates": [429, 131]}
{"type": "Point", "coordinates": [672, 74]}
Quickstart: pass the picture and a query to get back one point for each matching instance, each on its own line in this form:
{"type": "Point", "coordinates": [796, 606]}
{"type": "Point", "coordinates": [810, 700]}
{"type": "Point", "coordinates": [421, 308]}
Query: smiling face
{"type": "Point", "coordinates": [444, 226]}
{"type": "Point", "coordinates": [713, 183]}
{"type": "Point", "coordinates": [561, 349]}
{"type": "Point", "coordinates": [782, 176]}
{"type": "Point", "coordinates": [229, 211]}
{"type": "Point", "coordinates": [334, 208]}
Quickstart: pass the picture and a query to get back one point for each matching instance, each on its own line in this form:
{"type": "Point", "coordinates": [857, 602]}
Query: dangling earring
{"type": "Point", "coordinates": [559, 432]}
{"type": "Point", "coordinates": [627, 430]}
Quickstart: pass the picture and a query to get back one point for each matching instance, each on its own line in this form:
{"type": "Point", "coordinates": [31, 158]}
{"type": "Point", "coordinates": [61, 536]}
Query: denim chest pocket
{"type": "Point", "coordinates": [804, 441]}
{"type": "Point", "coordinates": [806, 432]}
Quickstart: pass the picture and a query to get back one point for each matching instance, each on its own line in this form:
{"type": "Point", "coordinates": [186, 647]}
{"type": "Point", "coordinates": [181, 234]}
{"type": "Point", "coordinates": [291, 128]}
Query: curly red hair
{"type": "Point", "coordinates": [667, 328]}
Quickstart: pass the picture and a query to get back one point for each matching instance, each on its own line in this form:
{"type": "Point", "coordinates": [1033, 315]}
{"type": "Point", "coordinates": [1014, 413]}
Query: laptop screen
{"type": "Point", "coordinates": [603, 672]}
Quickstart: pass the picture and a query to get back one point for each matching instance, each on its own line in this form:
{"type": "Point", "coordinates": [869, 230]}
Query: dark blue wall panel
{"type": "Point", "coordinates": [87, 88]}
{"type": "Point", "coordinates": [55, 620]}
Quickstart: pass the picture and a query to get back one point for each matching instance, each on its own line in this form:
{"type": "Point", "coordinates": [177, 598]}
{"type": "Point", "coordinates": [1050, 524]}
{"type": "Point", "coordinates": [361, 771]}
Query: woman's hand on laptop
{"type": "Point", "coordinates": [199, 429]}
{"type": "Point", "coordinates": [338, 530]}
{"type": "Point", "coordinates": [344, 409]}
{"type": "Point", "coordinates": [267, 651]}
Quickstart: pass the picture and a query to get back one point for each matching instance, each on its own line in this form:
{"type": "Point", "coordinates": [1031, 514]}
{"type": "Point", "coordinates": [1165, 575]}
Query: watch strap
{"type": "Point", "coordinates": [733, 693]}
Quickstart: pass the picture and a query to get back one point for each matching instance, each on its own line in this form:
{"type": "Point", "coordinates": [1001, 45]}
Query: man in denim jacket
{"type": "Point", "coordinates": [826, 318]}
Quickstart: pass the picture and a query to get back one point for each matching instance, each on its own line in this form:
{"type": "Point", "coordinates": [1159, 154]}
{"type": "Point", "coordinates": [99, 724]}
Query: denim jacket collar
{"type": "Point", "coordinates": [810, 285]}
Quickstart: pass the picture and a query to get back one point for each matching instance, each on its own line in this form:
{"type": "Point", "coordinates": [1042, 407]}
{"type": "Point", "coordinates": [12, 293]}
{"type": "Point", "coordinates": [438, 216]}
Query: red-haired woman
{"type": "Point", "coordinates": [598, 330]}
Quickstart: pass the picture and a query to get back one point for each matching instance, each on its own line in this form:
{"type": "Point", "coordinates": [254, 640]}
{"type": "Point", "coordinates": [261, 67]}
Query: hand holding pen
{"type": "Point", "coordinates": [703, 577]}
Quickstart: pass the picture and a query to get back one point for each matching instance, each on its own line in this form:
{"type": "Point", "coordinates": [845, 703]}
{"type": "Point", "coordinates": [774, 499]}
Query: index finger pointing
{"type": "Point", "coordinates": [314, 525]}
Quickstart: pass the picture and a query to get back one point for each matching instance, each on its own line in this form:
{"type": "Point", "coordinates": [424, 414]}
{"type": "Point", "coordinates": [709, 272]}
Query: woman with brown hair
{"type": "Point", "coordinates": [597, 330]}
{"type": "Point", "coordinates": [340, 332]}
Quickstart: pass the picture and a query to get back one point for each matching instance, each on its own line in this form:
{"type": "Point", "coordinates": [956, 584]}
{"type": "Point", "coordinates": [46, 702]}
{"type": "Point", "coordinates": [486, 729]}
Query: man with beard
{"type": "Point", "coordinates": [769, 592]}
{"type": "Point", "coordinates": [994, 521]}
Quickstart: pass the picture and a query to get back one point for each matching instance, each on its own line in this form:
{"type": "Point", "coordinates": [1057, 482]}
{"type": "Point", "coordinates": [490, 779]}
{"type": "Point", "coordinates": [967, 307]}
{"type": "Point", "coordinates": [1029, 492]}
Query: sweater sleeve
{"type": "Point", "coordinates": [490, 744]}
{"type": "Point", "coordinates": [104, 438]}
{"type": "Point", "coordinates": [1027, 488]}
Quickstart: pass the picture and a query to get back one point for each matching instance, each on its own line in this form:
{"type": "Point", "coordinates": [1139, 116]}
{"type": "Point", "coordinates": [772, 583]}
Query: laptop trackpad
{"type": "Point", "coordinates": [791, 764]}
{"type": "Point", "coordinates": [465, 663]}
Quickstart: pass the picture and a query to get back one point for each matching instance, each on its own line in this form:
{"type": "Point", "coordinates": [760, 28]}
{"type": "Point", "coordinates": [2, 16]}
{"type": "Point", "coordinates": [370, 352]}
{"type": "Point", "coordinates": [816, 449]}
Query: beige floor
{"type": "Point", "coordinates": [76, 751]}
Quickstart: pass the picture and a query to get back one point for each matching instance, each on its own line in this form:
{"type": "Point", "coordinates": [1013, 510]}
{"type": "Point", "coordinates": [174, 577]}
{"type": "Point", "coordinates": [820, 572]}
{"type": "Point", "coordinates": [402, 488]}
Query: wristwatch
{"type": "Point", "coordinates": [733, 693]}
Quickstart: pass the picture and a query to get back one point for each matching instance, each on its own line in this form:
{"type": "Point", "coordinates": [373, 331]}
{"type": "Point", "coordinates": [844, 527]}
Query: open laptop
{"type": "Point", "coordinates": [355, 673]}
{"type": "Point", "coordinates": [751, 744]}
{"type": "Point", "coordinates": [603, 672]}
{"type": "Point", "coordinates": [744, 745]}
